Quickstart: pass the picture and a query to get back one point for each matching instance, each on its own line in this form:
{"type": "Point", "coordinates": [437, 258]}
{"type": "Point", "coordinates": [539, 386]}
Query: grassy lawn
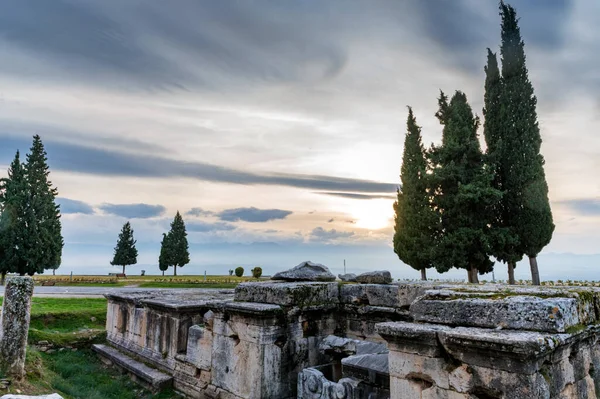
{"type": "Point", "coordinates": [168, 281]}
{"type": "Point", "coordinates": [73, 373]}
{"type": "Point", "coordinates": [152, 284]}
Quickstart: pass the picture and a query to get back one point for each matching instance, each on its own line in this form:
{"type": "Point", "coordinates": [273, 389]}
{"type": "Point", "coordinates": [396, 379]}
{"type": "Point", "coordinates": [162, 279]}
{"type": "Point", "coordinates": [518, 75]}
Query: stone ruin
{"type": "Point", "coordinates": [277, 340]}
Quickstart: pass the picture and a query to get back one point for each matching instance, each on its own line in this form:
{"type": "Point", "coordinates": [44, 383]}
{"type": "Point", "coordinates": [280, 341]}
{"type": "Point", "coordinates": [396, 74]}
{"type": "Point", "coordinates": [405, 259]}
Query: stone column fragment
{"type": "Point", "coordinates": [16, 314]}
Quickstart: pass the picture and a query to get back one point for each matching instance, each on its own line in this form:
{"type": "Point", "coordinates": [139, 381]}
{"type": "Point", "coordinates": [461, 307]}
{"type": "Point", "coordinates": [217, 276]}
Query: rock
{"type": "Point", "coordinates": [306, 271]}
{"type": "Point", "coordinates": [375, 277]}
{"type": "Point", "coordinates": [93, 319]}
{"type": "Point", "coordinates": [347, 277]}
{"type": "Point", "coordinates": [16, 311]}
{"type": "Point", "coordinates": [51, 396]}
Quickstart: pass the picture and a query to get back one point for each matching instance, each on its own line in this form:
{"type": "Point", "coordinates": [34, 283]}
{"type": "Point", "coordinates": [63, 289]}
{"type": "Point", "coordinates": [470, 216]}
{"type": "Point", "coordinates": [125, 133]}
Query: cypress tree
{"type": "Point", "coordinates": [44, 239]}
{"type": "Point", "coordinates": [463, 196]}
{"type": "Point", "coordinates": [178, 244]}
{"type": "Point", "coordinates": [414, 217]}
{"type": "Point", "coordinates": [165, 256]}
{"type": "Point", "coordinates": [526, 205]}
{"type": "Point", "coordinates": [13, 233]}
{"type": "Point", "coordinates": [125, 251]}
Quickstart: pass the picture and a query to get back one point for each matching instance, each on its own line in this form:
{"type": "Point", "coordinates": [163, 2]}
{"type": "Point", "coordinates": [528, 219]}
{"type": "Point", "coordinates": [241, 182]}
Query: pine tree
{"type": "Point", "coordinates": [414, 217]}
{"type": "Point", "coordinates": [125, 251]}
{"type": "Point", "coordinates": [526, 205]}
{"type": "Point", "coordinates": [165, 256]}
{"type": "Point", "coordinates": [44, 242]}
{"type": "Point", "coordinates": [463, 196]}
{"type": "Point", "coordinates": [178, 244]}
{"type": "Point", "coordinates": [13, 233]}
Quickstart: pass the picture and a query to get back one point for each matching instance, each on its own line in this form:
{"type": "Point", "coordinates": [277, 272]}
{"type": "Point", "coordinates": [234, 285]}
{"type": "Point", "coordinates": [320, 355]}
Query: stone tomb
{"type": "Point", "coordinates": [278, 340]}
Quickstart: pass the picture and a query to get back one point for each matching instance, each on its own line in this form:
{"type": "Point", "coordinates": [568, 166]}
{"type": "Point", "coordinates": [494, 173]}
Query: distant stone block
{"type": "Point", "coordinates": [300, 294]}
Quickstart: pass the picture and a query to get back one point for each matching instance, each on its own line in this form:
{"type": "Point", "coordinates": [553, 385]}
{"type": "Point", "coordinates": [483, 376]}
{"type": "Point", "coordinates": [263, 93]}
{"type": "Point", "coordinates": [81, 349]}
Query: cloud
{"type": "Point", "coordinates": [359, 196]}
{"type": "Point", "coordinates": [253, 215]}
{"type": "Point", "coordinates": [198, 226]}
{"type": "Point", "coordinates": [98, 161]}
{"type": "Point", "coordinates": [68, 206]}
{"type": "Point", "coordinates": [133, 211]}
{"type": "Point", "coordinates": [584, 206]}
{"type": "Point", "coordinates": [319, 233]}
{"type": "Point", "coordinates": [199, 212]}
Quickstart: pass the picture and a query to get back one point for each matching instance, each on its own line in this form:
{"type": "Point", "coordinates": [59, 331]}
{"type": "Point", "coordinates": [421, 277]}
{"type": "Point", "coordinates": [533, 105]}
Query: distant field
{"type": "Point", "coordinates": [185, 281]}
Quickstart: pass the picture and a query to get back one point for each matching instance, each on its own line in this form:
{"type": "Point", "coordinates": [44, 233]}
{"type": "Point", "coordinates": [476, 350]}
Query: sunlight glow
{"type": "Point", "coordinates": [373, 214]}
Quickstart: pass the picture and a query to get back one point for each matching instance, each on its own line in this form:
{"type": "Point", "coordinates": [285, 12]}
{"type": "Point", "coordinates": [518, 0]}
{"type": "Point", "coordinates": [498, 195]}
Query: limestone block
{"type": "Point", "coordinates": [306, 271]}
{"type": "Point", "coordinates": [348, 277]}
{"type": "Point", "coordinates": [375, 277]}
{"type": "Point", "coordinates": [512, 312]}
{"type": "Point", "coordinates": [312, 384]}
{"type": "Point", "coordinates": [51, 396]}
{"type": "Point", "coordinates": [509, 385]}
{"type": "Point", "coordinates": [347, 347]}
{"type": "Point", "coordinates": [300, 294]}
{"type": "Point", "coordinates": [460, 379]}
{"type": "Point", "coordinates": [16, 314]}
{"type": "Point", "coordinates": [406, 389]}
{"type": "Point", "coordinates": [411, 366]}
{"type": "Point", "coordinates": [420, 339]}
{"type": "Point", "coordinates": [199, 347]}
{"type": "Point", "coordinates": [370, 294]}
{"type": "Point", "coordinates": [516, 351]}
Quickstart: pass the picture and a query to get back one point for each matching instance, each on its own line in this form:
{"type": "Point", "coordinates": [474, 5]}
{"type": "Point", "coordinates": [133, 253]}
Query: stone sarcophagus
{"type": "Point", "coordinates": [308, 340]}
{"type": "Point", "coordinates": [497, 343]}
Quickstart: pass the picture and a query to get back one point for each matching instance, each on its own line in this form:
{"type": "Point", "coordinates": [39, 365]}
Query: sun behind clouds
{"type": "Point", "coordinates": [372, 214]}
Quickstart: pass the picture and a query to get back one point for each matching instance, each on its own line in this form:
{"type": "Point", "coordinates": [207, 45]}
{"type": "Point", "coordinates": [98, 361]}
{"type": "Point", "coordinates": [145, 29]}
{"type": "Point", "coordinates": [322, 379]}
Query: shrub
{"type": "Point", "coordinates": [257, 272]}
{"type": "Point", "coordinates": [231, 272]}
{"type": "Point", "coordinates": [239, 271]}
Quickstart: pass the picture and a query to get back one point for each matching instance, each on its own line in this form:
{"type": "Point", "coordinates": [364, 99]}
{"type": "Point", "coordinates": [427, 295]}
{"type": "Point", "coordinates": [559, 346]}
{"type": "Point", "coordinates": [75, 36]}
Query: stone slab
{"type": "Point", "coordinates": [152, 377]}
{"type": "Point", "coordinates": [306, 271]}
{"type": "Point", "coordinates": [300, 294]}
{"type": "Point", "coordinates": [421, 339]}
{"type": "Point", "coordinates": [514, 351]}
{"type": "Point", "coordinates": [371, 368]}
{"type": "Point", "coordinates": [370, 294]}
{"type": "Point", "coordinates": [346, 346]}
{"type": "Point", "coordinates": [375, 277]}
{"type": "Point", "coordinates": [519, 312]}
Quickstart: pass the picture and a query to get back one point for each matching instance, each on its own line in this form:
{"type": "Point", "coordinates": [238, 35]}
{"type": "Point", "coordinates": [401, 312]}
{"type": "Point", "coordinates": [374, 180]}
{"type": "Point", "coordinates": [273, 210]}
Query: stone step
{"type": "Point", "coordinates": [147, 376]}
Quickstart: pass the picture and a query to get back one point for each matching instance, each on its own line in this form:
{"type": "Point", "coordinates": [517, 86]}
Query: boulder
{"type": "Point", "coordinates": [347, 277]}
{"type": "Point", "coordinates": [375, 277]}
{"type": "Point", "coordinates": [11, 396]}
{"type": "Point", "coordinates": [306, 271]}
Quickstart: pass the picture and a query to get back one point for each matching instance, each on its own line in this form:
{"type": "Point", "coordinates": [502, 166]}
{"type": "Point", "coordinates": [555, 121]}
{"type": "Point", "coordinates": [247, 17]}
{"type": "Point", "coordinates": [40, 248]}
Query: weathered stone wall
{"type": "Point", "coordinates": [496, 343]}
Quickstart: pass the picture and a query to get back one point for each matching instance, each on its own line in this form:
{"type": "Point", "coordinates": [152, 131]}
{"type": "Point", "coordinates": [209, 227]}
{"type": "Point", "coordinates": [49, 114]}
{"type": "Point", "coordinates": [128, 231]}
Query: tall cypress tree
{"type": "Point", "coordinates": [506, 239]}
{"type": "Point", "coordinates": [526, 204]}
{"type": "Point", "coordinates": [13, 232]}
{"type": "Point", "coordinates": [414, 217]}
{"type": "Point", "coordinates": [178, 244]}
{"type": "Point", "coordinates": [45, 242]}
{"type": "Point", "coordinates": [464, 198]}
{"type": "Point", "coordinates": [125, 251]}
{"type": "Point", "coordinates": [165, 256]}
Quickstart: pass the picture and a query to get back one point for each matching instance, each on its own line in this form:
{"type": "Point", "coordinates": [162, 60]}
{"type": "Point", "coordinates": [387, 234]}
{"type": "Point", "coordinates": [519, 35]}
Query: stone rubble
{"type": "Point", "coordinates": [375, 277]}
{"type": "Point", "coordinates": [306, 271]}
{"type": "Point", "coordinates": [348, 277]}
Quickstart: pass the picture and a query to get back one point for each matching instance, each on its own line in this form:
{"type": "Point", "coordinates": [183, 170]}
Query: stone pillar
{"type": "Point", "coordinates": [16, 313]}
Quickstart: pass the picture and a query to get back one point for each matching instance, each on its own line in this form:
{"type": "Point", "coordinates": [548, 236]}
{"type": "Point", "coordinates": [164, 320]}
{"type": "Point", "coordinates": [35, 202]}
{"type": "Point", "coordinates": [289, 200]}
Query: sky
{"type": "Point", "coordinates": [277, 128]}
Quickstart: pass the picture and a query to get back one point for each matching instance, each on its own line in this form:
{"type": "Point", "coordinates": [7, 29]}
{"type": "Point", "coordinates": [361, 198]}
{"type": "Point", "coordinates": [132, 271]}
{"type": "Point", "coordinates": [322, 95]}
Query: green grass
{"type": "Point", "coordinates": [78, 375]}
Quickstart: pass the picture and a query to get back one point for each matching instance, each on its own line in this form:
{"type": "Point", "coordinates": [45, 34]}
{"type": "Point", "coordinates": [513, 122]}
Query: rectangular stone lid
{"type": "Point", "coordinates": [300, 294]}
{"type": "Point", "coordinates": [179, 300]}
{"type": "Point", "coordinates": [533, 309]}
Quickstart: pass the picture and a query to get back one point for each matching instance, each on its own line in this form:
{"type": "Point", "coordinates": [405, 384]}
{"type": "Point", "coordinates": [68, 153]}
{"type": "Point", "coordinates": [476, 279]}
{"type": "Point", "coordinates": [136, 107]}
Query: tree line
{"type": "Point", "coordinates": [30, 228]}
{"type": "Point", "coordinates": [458, 206]}
{"type": "Point", "coordinates": [174, 248]}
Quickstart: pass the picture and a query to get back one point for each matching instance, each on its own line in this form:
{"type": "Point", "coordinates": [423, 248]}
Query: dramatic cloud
{"type": "Point", "coordinates": [320, 234]}
{"type": "Point", "coordinates": [253, 215]}
{"type": "Point", "coordinates": [199, 212]}
{"type": "Point", "coordinates": [133, 211]}
{"type": "Point", "coordinates": [68, 206]}
{"type": "Point", "coordinates": [96, 161]}
{"type": "Point", "coordinates": [205, 227]}
{"type": "Point", "coordinates": [360, 196]}
{"type": "Point", "coordinates": [584, 206]}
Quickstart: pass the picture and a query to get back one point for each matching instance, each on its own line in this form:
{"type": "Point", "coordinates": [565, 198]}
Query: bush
{"type": "Point", "coordinates": [231, 272]}
{"type": "Point", "coordinates": [257, 272]}
{"type": "Point", "coordinates": [239, 271]}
